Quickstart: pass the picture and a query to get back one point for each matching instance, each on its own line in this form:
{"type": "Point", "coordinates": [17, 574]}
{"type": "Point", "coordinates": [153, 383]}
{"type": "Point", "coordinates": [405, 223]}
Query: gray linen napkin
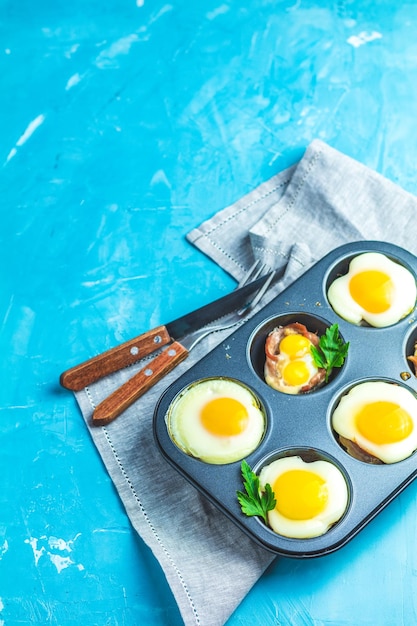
{"type": "Point", "coordinates": [289, 221]}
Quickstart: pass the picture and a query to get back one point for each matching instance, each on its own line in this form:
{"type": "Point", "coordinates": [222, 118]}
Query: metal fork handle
{"type": "Point", "coordinates": [127, 353]}
{"type": "Point", "coordinates": [230, 320]}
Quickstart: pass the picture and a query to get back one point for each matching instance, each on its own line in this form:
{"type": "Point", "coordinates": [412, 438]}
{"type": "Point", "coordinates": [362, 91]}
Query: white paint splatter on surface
{"type": "Point", "coordinates": [34, 545]}
{"type": "Point", "coordinates": [72, 50]}
{"type": "Point", "coordinates": [221, 10]}
{"type": "Point", "coordinates": [32, 126]}
{"type": "Point", "coordinates": [74, 80]}
{"type": "Point", "coordinates": [160, 178]}
{"type": "Point", "coordinates": [121, 46]}
{"type": "Point", "coordinates": [62, 562]}
{"type": "Point", "coordinates": [3, 550]}
{"type": "Point", "coordinates": [54, 548]}
{"type": "Point", "coordinates": [363, 37]}
{"type": "Point", "coordinates": [22, 333]}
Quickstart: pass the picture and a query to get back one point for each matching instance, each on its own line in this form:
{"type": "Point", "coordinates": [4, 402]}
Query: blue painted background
{"type": "Point", "coordinates": [123, 125]}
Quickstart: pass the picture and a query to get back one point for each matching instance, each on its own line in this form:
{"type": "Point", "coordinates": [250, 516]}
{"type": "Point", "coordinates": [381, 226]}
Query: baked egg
{"type": "Point", "coordinates": [376, 290]}
{"type": "Point", "coordinates": [217, 420]}
{"type": "Point", "coordinates": [289, 365]}
{"type": "Point", "coordinates": [378, 419]}
{"type": "Point", "coordinates": [310, 497]}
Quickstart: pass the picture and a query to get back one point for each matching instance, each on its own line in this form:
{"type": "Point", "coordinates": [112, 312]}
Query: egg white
{"type": "Point", "coordinates": [343, 418]}
{"type": "Point", "coordinates": [405, 291]}
{"type": "Point", "coordinates": [189, 434]}
{"type": "Point", "coordinates": [319, 524]}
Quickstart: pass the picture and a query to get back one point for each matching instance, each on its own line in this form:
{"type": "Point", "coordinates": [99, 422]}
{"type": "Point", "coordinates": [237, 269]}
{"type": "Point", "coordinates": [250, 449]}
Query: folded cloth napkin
{"type": "Point", "coordinates": [290, 221]}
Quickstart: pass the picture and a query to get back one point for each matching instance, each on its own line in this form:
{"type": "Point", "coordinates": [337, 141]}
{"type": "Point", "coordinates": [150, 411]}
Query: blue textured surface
{"type": "Point", "coordinates": [123, 125]}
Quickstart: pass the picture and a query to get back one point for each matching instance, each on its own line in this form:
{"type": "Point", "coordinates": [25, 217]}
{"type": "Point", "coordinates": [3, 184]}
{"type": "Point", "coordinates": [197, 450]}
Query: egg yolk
{"type": "Point", "coordinates": [296, 371]}
{"type": "Point", "coordinates": [300, 494]}
{"type": "Point", "coordinates": [224, 417]}
{"type": "Point", "coordinates": [295, 345]}
{"type": "Point", "coordinates": [373, 290]}
{"type": "Point", "coordinates": [384, 422]}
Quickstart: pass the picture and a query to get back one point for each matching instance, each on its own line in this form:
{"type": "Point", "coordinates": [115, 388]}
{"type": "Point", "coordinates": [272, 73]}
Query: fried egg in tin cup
{"type": "Point", "coordinates": [376, 421]}
{"type": "Point", "coordinates": [310, 496]}
{"type": "Point", "coordinates": [289, 363]}
{"type": "Point", "coordinates": [375, 290]}
{"type": "Point", "coordinates": [217, 420]}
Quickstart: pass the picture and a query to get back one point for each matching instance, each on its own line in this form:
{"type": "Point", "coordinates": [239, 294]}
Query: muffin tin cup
{"type": "Point", "coordinates": [303, 422]}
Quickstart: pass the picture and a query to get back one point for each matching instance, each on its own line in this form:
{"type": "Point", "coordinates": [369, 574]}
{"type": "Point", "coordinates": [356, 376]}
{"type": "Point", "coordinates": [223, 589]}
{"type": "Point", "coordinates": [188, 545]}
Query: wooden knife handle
{"type": "Point", "coordinates": [114, 359]}
{"type": "Point", "coordinates": [124, 396]}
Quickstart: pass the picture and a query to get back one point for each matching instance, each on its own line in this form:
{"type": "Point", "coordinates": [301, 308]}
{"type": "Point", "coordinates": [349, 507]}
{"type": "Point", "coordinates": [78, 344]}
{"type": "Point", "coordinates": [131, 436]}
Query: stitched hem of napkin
{"type": "Point", "coordinates": [152, 527]}
{"type": "Point", "coordinates": [244, 214]}
{"type": "Point", "coordinates": [297, 191]}
{"type": "Point", "coordinates": [123, 474]}
{"type": "Point", "coordinates": [295, 257]}
{"type": "Point", "coordinates": [236, 214]}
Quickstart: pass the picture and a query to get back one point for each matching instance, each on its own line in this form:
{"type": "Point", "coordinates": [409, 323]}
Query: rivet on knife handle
{"type": "Point", "coordinates": [130, 391]}
{"type": "Point", "coordinates": [114, 359]}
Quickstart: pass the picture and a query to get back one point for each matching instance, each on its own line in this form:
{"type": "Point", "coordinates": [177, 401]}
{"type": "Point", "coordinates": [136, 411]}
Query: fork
{"type": "Point", "coordinates": [128, 352]}
{"type": "Point", "coordinates": [256, 270]}
{"type": "Point", "coordinates": [123, 397]}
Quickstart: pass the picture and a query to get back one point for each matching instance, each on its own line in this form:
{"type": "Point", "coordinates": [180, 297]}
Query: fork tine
{"type": "Point", "coordinates": [259, 294]}
{"type": "Point", "coordinates": [263, 269]}
{"type": "Point", "coordinates": [230, 320]}
{"type": "Point", "coordinates": [255, 271]}
{"type": "Point", "coordinates": [246, 277]}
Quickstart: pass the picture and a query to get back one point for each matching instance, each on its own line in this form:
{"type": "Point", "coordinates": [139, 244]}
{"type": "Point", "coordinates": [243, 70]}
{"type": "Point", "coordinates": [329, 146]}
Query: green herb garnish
{"type": "Point", "coordinates": [331, 351]}
{"type": "Point", "coordinates": [255, 502]}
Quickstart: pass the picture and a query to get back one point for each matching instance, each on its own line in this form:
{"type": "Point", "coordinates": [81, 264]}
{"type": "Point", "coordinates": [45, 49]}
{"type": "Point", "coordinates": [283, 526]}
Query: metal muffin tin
{"type": "Point", "coordinates": [301, 424]}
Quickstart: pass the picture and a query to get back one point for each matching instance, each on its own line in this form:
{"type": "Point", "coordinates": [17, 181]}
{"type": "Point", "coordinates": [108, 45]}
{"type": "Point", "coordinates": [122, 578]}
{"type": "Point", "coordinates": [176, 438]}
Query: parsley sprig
{"type": "Point", "coordinates": [331, 351]}
{"type": "Point", "coordinates": [255, 501]}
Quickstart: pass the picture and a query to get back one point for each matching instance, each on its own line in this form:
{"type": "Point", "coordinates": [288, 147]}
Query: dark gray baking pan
{"type": "Point", "coordinates": [301, 424]}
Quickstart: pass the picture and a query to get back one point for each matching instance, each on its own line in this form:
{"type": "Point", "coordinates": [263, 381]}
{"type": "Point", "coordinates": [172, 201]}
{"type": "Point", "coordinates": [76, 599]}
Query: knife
{"type": "Point", "coordinates": [127, 353]}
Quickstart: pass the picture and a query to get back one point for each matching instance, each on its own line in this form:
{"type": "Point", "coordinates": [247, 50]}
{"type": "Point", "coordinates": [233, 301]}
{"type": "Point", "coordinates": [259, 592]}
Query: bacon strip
{"type": "Point", "coordinates": [413, 360]}
{"type": "Point", "coordinates": [357, 452]}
